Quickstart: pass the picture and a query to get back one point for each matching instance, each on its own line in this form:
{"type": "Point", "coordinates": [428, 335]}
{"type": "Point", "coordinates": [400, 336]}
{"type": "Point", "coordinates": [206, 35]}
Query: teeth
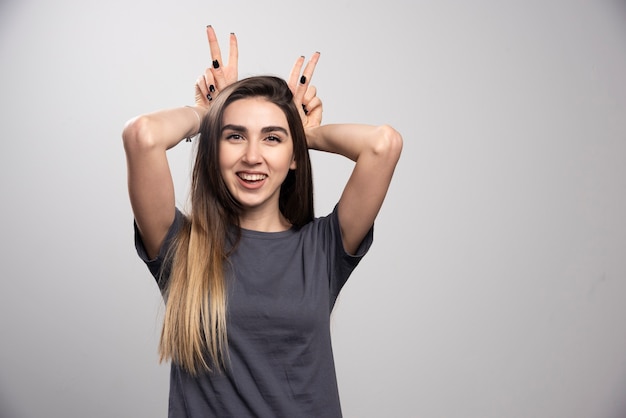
{"type": "Point", "coordinates": [252, 177]}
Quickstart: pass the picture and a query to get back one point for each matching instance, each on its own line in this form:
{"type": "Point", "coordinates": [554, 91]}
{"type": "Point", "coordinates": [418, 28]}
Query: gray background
{"type": "Point", "coordinates": [496, 286]}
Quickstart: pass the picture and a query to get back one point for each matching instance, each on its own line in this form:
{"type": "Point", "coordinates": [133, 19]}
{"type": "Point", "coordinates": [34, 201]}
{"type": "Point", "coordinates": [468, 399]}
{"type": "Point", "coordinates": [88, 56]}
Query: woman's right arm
{"type": "Point", "coordinates": [150, 187]}
{"type": "Point", "coordinates": [147, 138]}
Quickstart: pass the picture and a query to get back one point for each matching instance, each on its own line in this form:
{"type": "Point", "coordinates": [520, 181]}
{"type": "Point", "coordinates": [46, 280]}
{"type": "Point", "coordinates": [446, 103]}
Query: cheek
{"type": "Point", "coordinates": [287, 160]}
{"type": "Point", "coordinates": [226, 158]}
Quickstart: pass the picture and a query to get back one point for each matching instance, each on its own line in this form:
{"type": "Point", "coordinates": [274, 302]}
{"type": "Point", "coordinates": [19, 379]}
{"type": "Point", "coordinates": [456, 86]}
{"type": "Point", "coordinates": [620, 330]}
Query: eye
{"type": "Point", "coordinates": [234, 137]}
{"type": "Point", "coordinates": [273, 138]}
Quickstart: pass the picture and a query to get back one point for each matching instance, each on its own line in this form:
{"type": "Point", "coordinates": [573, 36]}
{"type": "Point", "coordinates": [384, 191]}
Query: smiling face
{"type": "Point", "coordinates": [255, 153]}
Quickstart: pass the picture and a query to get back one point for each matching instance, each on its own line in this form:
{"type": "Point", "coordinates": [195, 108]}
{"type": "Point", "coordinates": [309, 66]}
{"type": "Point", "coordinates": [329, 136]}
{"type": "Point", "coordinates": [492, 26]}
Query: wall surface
{"type": "Point", "coordinates": [496, 286]}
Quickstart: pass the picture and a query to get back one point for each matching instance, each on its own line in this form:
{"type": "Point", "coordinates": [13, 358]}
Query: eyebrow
{"type": "Point", "coordinates": [266, 129]}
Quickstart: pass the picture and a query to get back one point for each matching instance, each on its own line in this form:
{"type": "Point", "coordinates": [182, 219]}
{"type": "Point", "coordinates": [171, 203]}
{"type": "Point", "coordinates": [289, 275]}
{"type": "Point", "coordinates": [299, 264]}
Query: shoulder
{"type": "Point", "coordinates": [328, 229]}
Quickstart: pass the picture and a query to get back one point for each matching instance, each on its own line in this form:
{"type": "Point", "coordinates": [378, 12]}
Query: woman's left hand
{"type": "Point", "coordinates": [305, 94]}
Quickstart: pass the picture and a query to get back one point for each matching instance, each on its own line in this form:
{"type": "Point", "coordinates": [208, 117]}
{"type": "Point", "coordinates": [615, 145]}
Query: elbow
{"type": "Point", "coordinates": [389, 143]}
{"type": "Point", "coordinates": [136, 135]}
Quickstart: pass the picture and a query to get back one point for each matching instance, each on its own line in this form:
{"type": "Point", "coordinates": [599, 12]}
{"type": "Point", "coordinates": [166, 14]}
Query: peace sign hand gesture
{"type": "Point", "coordinates": [218, 75]}
{"type": "Point", "coordinates": [304, 94]}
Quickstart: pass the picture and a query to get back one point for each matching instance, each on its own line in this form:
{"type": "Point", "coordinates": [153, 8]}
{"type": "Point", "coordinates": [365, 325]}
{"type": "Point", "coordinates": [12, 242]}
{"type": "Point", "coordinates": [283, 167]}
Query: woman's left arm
{"type": "Point", "coordinates": [376, 151]}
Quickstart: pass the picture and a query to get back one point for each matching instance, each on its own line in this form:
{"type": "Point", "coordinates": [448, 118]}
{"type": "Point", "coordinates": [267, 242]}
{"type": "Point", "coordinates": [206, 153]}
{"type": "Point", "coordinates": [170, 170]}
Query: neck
{"type": "Point", "coordinates": [264, 222]}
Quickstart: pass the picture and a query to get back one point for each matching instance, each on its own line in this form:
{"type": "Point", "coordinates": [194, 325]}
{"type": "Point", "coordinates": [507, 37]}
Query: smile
{"type": "Point", "coordinates": [252, 176]}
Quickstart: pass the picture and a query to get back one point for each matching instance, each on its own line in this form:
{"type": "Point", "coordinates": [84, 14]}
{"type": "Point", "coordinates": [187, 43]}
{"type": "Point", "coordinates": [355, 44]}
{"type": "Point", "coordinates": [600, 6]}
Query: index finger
{"type": "Point", "coordinates": [214, 46]}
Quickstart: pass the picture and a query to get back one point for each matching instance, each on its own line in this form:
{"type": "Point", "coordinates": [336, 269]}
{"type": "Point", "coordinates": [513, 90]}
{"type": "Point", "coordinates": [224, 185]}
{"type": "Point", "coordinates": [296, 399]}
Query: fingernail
{"type": "Point", "coordinates": [303, 79]}
{"type": "Point", "coordinates": [211, 88]}
{"type": "Point", "coordinates": [306, 112]}
{"type": "Point", "coordinates": [208, 96]}
{"type": "Point", "coordinates": [208, 26]}
{"type": "Point", "coordinates": [216, 64]}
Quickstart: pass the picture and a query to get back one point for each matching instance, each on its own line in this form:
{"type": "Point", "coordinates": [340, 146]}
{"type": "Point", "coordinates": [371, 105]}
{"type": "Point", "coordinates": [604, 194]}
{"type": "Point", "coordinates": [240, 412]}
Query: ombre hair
{"type": "Point", "coordinates": [194, 333]}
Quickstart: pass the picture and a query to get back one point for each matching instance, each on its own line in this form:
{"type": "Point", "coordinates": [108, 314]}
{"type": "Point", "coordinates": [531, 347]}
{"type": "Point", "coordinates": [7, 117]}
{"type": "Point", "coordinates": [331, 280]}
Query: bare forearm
{"type": "Point", "coordinates": [162, 129]}
{"type": "Point", "coordinates": [353, 140]}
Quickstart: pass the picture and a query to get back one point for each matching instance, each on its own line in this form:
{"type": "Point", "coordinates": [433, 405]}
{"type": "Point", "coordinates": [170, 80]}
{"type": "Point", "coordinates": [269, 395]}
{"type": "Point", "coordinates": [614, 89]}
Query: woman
{"type": "Point", "coordinates": [249, 275]}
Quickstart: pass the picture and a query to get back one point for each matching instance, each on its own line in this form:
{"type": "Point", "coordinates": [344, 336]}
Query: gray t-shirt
{"type": "Point", "coordinates": [282, 288]}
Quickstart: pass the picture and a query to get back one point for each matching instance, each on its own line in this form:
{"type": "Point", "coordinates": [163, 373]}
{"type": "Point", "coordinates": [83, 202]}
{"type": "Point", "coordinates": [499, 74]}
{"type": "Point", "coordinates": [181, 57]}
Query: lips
{"type": "Point", "coordinates": [251, 181]}
{"type": "Point", "coordinates": [252, 177]}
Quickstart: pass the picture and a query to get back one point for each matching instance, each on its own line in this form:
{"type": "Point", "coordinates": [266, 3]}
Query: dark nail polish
{"type": "Point", "coordinates": [303, 79]}
{"type": "Point", "coordinates": [216, 64]}
{"type": "Point", "coordinates": [211, 88]}
{"type": "Point", "coordinates": [208, 96]}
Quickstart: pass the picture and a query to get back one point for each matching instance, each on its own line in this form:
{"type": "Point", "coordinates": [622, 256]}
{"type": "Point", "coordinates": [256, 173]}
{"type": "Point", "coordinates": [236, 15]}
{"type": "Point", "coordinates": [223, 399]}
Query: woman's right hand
{"type": "Point", "coordinates": [219, 75]}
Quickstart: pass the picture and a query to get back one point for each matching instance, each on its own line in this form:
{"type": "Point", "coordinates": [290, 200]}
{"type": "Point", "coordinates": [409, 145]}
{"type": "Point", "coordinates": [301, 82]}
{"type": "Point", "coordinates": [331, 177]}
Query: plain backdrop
{"type": "Point", "coordinates": [496, 285]}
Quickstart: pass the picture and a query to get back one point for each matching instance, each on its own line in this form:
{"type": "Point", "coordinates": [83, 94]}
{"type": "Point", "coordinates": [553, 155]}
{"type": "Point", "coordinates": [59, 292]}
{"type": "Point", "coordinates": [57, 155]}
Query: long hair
{"type": "Point", "coordinates": [194, 333]}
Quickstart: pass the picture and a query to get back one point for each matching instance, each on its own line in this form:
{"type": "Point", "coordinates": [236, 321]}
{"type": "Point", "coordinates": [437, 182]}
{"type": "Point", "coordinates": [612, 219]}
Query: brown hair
{"type": "Point", "coordinates": [196, 305]}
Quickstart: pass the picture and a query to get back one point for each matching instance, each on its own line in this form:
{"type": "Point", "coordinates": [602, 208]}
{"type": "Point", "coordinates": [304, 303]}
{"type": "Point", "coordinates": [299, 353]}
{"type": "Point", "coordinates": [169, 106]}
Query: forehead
{"type": "Point", "coordinates": [254, 112]}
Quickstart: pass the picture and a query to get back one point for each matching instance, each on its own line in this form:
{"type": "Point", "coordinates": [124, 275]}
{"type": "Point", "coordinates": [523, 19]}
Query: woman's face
{"type": "Point", "coordinates": [256, 152]}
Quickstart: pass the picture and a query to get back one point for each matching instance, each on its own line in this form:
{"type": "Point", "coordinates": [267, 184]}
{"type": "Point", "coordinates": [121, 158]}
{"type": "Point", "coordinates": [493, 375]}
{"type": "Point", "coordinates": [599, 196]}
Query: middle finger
{"type": "Point", "coordinates": [305, 79]}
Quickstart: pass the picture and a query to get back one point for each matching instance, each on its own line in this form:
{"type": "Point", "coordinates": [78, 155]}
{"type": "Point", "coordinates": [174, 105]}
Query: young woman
{"type": "Point", "coordinates": [249, 275]}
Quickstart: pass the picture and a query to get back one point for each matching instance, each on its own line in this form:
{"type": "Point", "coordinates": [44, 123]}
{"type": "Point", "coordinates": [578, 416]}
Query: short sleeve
{"type": "Point", "coordinates": [158, 267]}
{"type": "Point", "coordinates": [344, 262]}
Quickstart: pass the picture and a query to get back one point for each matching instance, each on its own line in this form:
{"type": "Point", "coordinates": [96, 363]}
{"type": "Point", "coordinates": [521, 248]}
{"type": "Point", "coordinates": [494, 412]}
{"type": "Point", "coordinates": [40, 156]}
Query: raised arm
{"type": "Point", "coordinates": [147, 138]}
{"type": "Point", "coordinates": [376, 151]}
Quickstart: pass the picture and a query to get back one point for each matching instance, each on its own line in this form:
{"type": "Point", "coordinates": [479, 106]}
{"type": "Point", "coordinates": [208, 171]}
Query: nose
{"type": "Point", "coordinates": [252, 153]}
